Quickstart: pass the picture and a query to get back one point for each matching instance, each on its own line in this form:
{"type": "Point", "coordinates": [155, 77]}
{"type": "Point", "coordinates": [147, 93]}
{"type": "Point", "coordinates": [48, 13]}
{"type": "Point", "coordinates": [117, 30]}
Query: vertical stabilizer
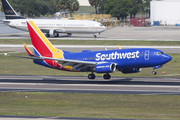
{"type": "Point", "coordinates": [42, 46]}
{"type": "Point", "coordinates": [9, 12]}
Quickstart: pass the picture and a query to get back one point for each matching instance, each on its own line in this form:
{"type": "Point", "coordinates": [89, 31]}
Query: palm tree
{"type": "Point", "coordinates": [75, 6]}
{"type": "Point", "coordinates": [95, 4]}
{"type": "Point", "coordinates": [63, 5]}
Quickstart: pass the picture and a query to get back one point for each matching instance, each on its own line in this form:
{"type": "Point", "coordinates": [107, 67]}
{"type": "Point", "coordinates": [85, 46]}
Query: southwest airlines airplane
{"type": "Point", "coordinates": [52, 27]}
{"type": "Point", "coordinates": [106, 61]}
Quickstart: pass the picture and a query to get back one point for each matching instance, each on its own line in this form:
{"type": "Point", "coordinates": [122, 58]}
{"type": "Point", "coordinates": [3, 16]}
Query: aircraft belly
{"type": "Point", "coordinates": [24, 28]}
{"type": "Point", "coordinates": [45, 30]}
{"type": "Point", "coordinates": [60, 30]}
{"type": "Point", "coordinates": [76, 30]}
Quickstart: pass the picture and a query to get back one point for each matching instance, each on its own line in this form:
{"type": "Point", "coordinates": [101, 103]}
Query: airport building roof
{"type": "Point", "coordinates": [84, 2]}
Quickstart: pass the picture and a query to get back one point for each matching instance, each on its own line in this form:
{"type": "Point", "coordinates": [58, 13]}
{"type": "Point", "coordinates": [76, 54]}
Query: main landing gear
{"type": "Point", "coordinates": [47, 35]}
{"type": "Point", "coordinates": [55, 34]}
{"type": "Point", "coordinates": [106, 76]}
{"type": "Point", "coordinates": [91, 76]}
{"type": "Point", "coordinates": [69, 34]}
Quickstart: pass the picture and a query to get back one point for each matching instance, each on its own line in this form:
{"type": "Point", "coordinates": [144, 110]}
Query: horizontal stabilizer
{"type": "Point", "coordinates": [27, 50]}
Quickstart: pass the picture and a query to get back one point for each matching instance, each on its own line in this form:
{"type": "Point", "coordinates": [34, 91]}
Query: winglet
{"type": "Point", "coordinates": [119, 47]}
{"type": "Point", "coordinates": [27, 50]}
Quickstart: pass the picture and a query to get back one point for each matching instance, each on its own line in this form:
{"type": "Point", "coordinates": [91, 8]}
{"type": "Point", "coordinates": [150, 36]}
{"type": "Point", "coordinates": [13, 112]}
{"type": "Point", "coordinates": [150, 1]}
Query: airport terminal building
{"type": "Point", "coordinates": [166, 12]}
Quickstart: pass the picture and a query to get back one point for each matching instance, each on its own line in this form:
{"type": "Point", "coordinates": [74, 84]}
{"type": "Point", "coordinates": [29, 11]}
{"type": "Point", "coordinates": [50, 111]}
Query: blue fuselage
{"type": "Point", "coordinates": [123, 58]}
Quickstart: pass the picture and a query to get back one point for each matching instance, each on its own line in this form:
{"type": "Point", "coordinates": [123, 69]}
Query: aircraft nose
{"type": "Point", "coordinates": [104, 28]}
{"type": "Point", "coordinates": [167, 58]}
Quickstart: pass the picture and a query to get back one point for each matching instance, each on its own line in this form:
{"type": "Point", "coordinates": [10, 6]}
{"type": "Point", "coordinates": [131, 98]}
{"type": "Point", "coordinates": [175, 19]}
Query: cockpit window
{"type": "Point", "coordinates": [158, 53]}
{"type": "Point", "coordinates": [100, 25]}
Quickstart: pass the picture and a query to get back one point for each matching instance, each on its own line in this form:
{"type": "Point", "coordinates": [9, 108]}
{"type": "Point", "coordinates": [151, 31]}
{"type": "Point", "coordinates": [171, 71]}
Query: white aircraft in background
{"type": "Point", "coordinates": [52, 27]}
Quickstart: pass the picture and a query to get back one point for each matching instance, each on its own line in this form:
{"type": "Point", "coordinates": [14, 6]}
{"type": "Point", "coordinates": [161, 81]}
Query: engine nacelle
{"type": "Point", "coordinates": [105, 68]}
{"type": "Point", "coordinates": [131, 70]}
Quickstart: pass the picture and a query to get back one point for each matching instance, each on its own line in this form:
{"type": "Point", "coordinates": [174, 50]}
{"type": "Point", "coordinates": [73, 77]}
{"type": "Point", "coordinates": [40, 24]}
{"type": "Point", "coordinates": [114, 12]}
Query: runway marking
{"type": "Point", "coordinates": [90, 85]}
{"type": "Point", "coordinates": [99, 90]}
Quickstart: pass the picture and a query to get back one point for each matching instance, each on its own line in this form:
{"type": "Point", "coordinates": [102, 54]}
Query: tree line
{"type": "Point", "coordinates": [36, 8]}
{"type": "Point", "coordinates": [121, 8]}
{"type": "Point", "coordinates": [117, 8]}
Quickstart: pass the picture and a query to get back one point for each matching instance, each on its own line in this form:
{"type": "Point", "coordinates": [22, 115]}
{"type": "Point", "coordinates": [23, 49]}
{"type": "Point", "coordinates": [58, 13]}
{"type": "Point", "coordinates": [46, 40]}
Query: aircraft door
{"type": "Point", "coordinates": [146, 55]}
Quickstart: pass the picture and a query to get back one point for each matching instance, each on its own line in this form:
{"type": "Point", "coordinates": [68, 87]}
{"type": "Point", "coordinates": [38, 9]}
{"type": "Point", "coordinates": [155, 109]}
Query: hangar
{"type": "Point", "coordinates": [166, 12]}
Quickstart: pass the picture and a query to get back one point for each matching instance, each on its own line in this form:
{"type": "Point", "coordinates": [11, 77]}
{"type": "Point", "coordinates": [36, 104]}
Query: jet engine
{"type": "Point", "coordinates": [105, 68]}
{"type": "Point", "coordinates": [131, 70]}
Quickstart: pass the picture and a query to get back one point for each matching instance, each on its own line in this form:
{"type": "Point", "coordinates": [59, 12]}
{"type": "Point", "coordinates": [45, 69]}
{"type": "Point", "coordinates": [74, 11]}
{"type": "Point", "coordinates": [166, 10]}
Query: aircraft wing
{"type": "Point", "coordinates": [83, 65]}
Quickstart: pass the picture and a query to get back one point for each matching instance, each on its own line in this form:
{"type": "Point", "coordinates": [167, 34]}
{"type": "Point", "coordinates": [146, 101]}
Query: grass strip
{"type": "Point", "coordinates": [96, 42]}
{"type": "Point", "coordinates": [20, 66]}
{"type": "Point", "coordinates": [90, 105]}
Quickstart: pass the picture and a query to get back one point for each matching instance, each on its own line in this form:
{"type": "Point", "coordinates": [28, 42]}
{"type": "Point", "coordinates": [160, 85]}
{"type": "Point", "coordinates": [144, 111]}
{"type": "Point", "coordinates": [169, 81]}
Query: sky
{"type": "Point", "coordinates": [84, 2]}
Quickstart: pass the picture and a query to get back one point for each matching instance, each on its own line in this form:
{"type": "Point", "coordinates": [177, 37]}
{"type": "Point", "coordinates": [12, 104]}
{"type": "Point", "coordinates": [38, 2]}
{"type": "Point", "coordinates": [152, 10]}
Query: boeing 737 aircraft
{"type": "Point", "coordinates": [52, 27]}
{"type": "Point", "coordinates": [106, 61]}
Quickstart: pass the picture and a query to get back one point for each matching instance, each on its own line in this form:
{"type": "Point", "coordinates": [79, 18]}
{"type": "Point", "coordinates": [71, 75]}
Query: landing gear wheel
{"type": "Point", "coordinates": [56, 34]}
{"type": "Point", "coordinates": [154, 72]}
{"type": "Point", "coordinates": [106, 76]}
{"type": "Point", "coordinates": [95, 36]}
{"type": "Point", "coordinates": [47, 35]}
{"type": "Point", "coordinates": [91, 76]}
{"type": "Point", "coordinates": [69, 34]}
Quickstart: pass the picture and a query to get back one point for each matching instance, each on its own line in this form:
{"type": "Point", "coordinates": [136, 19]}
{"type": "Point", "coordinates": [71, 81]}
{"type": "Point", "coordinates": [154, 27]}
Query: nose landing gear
{"type": "Point", "coordinates": [95, 35]}
{"type": "Point", "coordinates": [156, 67]}
{"type": "Point", "coordinates": [154, 72]}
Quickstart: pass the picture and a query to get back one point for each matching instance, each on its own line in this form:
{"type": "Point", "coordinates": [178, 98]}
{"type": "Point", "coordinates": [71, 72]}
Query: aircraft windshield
{"type": "Point", "coordinates": [158, 53]}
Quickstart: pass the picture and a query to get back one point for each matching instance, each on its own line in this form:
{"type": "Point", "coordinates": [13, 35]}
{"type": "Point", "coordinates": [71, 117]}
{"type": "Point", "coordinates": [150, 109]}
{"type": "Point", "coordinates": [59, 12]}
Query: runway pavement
{"type": "Point", "coordinates": [54, 118]}
{"type": "Point", "coordinates": [155, 86]}
{"type": "Point", "coordinates": [164, 33]}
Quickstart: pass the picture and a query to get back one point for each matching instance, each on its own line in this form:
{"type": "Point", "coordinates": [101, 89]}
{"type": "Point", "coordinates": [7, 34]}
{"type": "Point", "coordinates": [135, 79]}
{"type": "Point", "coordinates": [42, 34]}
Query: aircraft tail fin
{"type": "Point", "coordinates": [9, 12]}
{"type": "Point", "coordinates": [42, 46]}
